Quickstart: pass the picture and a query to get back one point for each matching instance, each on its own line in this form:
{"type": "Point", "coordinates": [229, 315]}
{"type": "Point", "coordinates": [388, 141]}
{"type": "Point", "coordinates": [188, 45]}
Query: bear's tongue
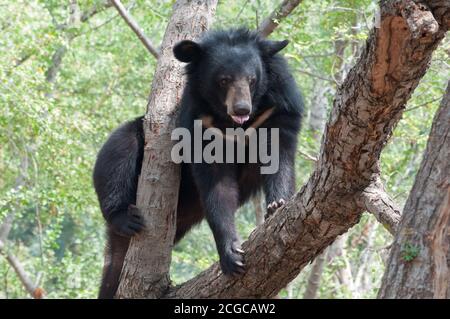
{"type": "Point", "coordinates": [240, 119]}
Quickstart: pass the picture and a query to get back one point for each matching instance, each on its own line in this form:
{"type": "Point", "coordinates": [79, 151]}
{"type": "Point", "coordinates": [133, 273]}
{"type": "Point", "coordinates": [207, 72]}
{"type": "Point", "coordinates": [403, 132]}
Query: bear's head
{"type": "Point", "coordinates": [229, 70]}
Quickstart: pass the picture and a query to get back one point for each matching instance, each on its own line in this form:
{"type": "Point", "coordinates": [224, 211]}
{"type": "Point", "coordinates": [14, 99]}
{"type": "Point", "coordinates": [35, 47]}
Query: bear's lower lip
{"type": "Point", "coordinates": [240, 119]}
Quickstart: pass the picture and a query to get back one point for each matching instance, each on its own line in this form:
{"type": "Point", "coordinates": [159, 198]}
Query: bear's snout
{"type": "Point", "coordinates": [238, 101]}
{"type": "Point", "coordinates": [242, 108]}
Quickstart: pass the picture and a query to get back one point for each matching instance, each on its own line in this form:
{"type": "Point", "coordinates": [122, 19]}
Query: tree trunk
{"type": "Point", "coordinates": [318, 109]}
{"type": "Point", "coordinates": [417, 266]}
{"type": "Point", "coordinates": [315, 276]}
{"type": "Point", "coordinates": [317, 121]}
{"type": "Point", "coordinates": [146, 269]}
{"type": "Point", "coordinates": [258, 206]}
{"type": "Point", "coordinates": [366, 109]}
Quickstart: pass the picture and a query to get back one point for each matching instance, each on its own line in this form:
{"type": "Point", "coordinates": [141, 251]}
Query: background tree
{"type": "Point", "coordinates": [418, 266]}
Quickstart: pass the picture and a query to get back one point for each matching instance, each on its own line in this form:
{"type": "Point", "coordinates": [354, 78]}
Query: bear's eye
{"type": "Point", "coordinates": [252, 80]}
{"type": "Point", "coordinates": [224, 82]}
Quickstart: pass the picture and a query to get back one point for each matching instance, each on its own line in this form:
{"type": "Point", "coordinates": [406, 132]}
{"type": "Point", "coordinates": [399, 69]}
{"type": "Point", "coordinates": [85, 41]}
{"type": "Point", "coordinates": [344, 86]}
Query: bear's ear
{"type": "Point", "coordinates": [187, 51]}
{"type": "Point", "coordinates": [270, 48]}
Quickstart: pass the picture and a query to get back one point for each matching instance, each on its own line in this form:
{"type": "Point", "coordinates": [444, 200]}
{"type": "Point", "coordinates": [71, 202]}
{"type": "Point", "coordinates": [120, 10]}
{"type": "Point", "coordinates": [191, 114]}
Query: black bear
{"type": "Point", "coordinates": [235, 79]}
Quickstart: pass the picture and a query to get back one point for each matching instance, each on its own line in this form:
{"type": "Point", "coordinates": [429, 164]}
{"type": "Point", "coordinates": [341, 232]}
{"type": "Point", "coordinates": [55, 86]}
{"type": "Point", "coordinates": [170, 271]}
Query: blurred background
{"type": "Point", "coordinates": [72, 71]}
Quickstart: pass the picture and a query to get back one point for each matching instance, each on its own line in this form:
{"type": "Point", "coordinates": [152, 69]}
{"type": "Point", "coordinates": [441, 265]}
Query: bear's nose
{"type": "Point", "coordinates": [241, 108]}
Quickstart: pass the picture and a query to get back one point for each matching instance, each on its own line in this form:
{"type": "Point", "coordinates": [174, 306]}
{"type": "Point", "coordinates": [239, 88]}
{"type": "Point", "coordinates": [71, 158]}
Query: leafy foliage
{"type": "Point", "coordinates": [51, 129]}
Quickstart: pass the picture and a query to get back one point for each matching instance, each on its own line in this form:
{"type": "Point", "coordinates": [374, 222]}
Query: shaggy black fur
{"type": "Point", "coordinates": [216, 190]}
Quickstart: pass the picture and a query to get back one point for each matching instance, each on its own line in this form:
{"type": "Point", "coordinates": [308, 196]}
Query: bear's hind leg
{"type": "Point", "coordinates": [115, 252]}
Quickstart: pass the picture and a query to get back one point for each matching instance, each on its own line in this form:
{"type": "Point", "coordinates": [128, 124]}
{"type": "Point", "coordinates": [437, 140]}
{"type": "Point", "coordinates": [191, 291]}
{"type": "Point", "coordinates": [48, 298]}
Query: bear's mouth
{"type": "Point", "coordinates": [240, 119]}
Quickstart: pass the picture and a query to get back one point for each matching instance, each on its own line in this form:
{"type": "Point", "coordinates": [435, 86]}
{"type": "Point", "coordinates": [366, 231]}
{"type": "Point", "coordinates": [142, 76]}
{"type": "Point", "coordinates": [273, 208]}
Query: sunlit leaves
{"type": "Point", "coordinates": [104, 79]}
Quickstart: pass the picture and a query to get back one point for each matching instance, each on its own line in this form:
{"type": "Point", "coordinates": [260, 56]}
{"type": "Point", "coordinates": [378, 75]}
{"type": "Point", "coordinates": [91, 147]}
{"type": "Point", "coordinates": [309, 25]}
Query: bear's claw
{"type": "Point", "coordinates": [272, 207]}
{"type": "Point", "coordinates": [232, 260]}
{"type": "Point", "coordinates": [129, 223]}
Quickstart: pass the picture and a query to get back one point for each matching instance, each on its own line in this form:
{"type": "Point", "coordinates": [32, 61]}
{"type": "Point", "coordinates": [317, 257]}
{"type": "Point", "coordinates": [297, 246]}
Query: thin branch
{"type": "Point", "coordinates": [424, 104]}
{"type": "Point", "coordinates": [242, 9]}
{"type": "Point", "coordinates": [135, 27]}
{"type": "Point", "coordinates": [52, 71]}
{"type": "Point", "coordinates": [94, 10]}
{"type": "Point", "coordinates": [318, 76]}
{"type": "Point", "coordinates": [307, 156]}
{"type": "Point", "coordinates": [376, 201]}
{"type": "Point", "coordinates": [32, 288]}
{"type": "Point", "coordinates": [93, 28]}
{"type": "Point", "coordinates": [85, 16]}
{"type": "Point", "coordinates": [22, 60]}
{"type": "Point", "coordinates": [271, 22]}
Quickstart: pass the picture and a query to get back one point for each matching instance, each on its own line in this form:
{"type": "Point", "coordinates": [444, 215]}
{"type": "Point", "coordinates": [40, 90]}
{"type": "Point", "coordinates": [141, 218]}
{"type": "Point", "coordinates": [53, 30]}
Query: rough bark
{"type": "Point", "coordinates": [366, 109]}
{"type": "Point", "coordinates": [271, 22]}
{"type": "Point", "coordinates": [145, 272]}
{"type": "Point", "coordinates": [377, 202]}
{"type": "Point", "coordinates": [417, 266]}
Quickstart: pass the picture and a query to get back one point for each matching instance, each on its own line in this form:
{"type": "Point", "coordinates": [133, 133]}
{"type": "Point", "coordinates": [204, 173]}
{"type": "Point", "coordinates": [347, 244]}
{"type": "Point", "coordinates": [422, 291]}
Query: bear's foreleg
{"type": "Point", "coordinates": [219, 193]}
{"type": "Point", "coordinates": [280, 186]}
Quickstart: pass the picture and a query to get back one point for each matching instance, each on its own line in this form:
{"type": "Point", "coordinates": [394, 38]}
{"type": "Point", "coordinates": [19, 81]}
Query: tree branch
{"type": "Point", "coordinates": [94, 10]}
{"type": "Point", "coordinates": [145, 271]}
{"type": "Point", "coordinates": [52, 71]}
{"type": "Point", "coordinates": [271, 22]}
{"type": "Point", "coordinates": [317, 76]}
{"type": "Point", "coordinates": [135, 27]}
{"type": "Point", "coordinates": [33, 289]}
{"type": "Point", "coordinates": [57, 58]}
{"type": "Point", "coordinates": [367, 107]}
{"type": "Point", "coordinates": [307, 156]}
{"type": "Point", "coordinates": [376, 201]}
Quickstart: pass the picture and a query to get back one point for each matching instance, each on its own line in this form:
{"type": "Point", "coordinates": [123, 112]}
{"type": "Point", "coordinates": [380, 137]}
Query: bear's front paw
{"type": "Point", "coordinates": [272, 207]}
{"type": "Point", "coordinates": [232, 260]}
{"type": "Point", "coordinates": [128, 224]}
